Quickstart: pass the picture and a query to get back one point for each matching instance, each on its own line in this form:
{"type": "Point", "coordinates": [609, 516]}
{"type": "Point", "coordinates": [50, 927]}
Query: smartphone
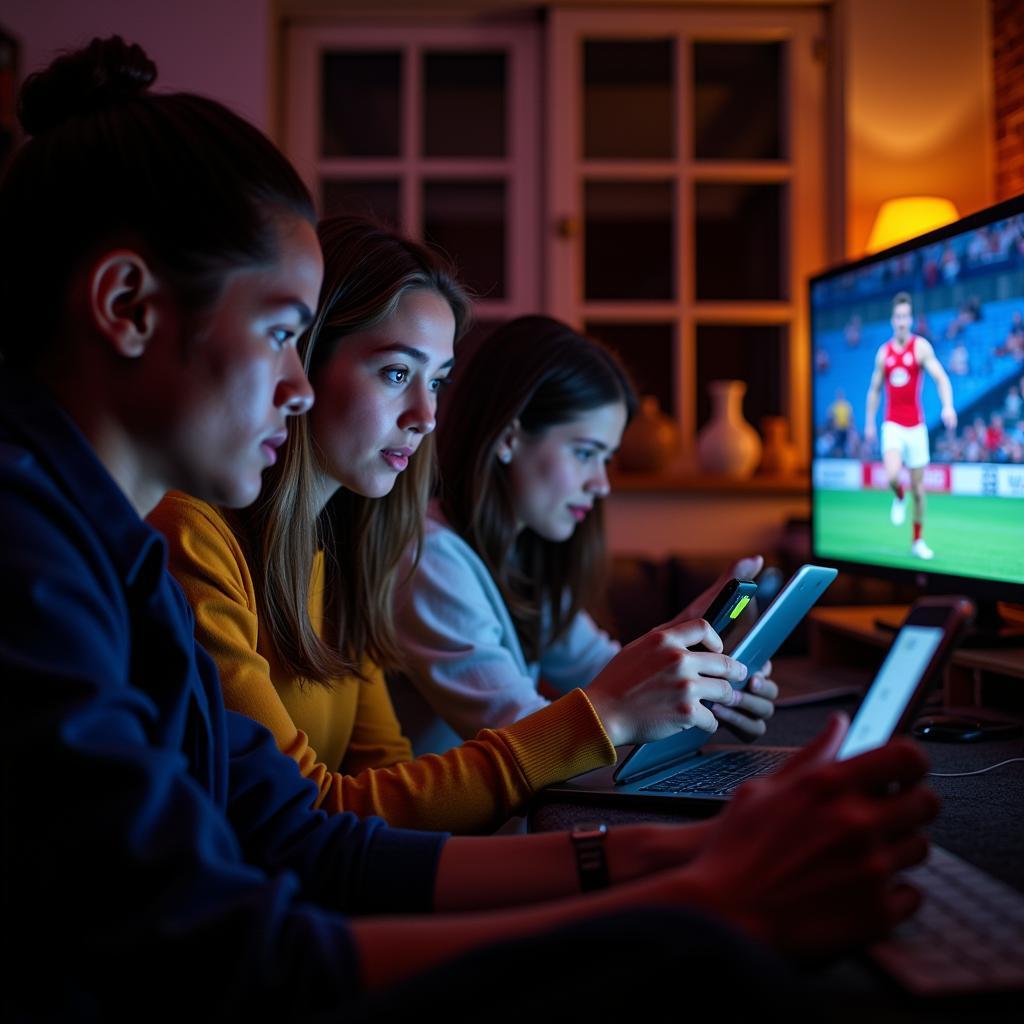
{"type": "Point", "coordinates": [781, 617]}
{"type": "Point", "coordinates": [928, 634]}
{"type": "Point", "coordinates": [729, 604]}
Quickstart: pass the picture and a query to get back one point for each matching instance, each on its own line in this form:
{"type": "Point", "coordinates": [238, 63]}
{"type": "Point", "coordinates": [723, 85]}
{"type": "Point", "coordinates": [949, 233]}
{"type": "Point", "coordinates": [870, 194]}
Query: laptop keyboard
{"type": "Point", "coordinates": [967, 937]}
{"type": "Point", "coordinates": [722, 773]}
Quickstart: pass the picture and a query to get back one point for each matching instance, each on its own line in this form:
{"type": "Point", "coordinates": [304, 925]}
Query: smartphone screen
{"type": "Point", "coordinates": [893, 688]}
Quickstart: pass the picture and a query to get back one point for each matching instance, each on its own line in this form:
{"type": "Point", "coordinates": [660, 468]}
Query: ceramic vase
{"type": "Point", "coordinates": [727, 444]}
{"type": "Point", "coordinates": [779, 457]}
{"type": "Point", "coordinates": [651, 440]}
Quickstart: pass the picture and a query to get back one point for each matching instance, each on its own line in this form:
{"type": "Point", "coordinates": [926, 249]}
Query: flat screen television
{"type": "Point", "coordinates": [925, 339]}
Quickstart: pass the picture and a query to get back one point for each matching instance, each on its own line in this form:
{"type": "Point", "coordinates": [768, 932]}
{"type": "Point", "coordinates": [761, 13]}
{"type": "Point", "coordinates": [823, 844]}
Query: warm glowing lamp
{"type": "Point", "coordinates": [907, 217]}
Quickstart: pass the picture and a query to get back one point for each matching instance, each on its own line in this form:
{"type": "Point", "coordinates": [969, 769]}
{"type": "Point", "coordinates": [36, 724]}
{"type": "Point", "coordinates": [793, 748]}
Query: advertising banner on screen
{"type": "Point", "coordinates": [984, 478]}
{"type": "Point", "coordinates": [974, 479]}
{"type": "Point", "coordinates": [838, 474]}
{"type": "Point", "coordinates": [1010, 481]}
{"type": "Point", "coordinates": [936, 477]}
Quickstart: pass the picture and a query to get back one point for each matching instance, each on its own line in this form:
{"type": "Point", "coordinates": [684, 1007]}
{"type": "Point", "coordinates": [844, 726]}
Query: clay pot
{"type": "Point", "coordinates": [651, 440]}
{"type": "Point", "coordinates": [727, 444]}
{"type": "Point", "coordinates": [779, 457]}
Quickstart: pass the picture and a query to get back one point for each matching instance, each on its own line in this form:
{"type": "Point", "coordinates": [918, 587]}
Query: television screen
{"type": "Point", "coordinates": [918, 404]}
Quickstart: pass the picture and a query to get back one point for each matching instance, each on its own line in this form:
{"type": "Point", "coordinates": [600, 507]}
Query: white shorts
{"type": "Point", "coordinates": [910, 442]}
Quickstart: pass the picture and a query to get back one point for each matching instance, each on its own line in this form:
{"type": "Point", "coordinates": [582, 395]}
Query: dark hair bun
{"type": "Point", "coordinates": [106, 72]}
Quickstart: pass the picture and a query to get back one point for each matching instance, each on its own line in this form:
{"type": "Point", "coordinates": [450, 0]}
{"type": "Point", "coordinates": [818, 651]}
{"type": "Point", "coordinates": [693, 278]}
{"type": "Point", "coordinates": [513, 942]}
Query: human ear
{"type": "Point", "coordinates": [508, 441]}
{"type": "Point", "coordinates": [122, 290]}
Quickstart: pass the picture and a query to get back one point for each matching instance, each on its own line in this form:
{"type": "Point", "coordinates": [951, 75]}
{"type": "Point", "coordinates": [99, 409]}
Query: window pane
{"type": "Point", "coordinates": [751, 354]}
{"type": "Point", "coordinates": [737, 108]}
{"type": "Point", "coordinates": [467, 220]}
{"type": "Point", "coordinates": [739, 238]}
{"type": "Point", "coordinates": [361, 104]}
{"type": "Point", "coordinates": [376, 198]}
{"type": "Point", "coordinates": [464, 104]}
{"type": "Point", "coordinates": [627, 99]}
{"type": "Point", "coordinates": [628, 245]}
{"type": "Point", "coordinates": [646, 350]}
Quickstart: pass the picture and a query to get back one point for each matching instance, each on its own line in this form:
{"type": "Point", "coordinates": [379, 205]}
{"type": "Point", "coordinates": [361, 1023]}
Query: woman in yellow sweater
{"type": "Point", "coordinates": [293, 596]}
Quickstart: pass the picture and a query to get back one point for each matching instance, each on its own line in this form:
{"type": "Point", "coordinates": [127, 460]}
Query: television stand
{"type": "Point", "coordinates": [983, 634]}
{"type": "Point", "coordinates": [992, 630]}
{"type": "Point", "coordinates": [973, 677]}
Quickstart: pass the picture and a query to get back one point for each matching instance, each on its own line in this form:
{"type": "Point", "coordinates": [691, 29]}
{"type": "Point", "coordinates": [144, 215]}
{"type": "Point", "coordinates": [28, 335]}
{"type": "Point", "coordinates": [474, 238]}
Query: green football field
{"type": "Point", "coordinates": [970, 535]}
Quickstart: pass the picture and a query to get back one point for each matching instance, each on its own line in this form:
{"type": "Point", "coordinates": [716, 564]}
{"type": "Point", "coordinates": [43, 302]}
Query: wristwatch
{"type": "Point", "coordinates": [588, 839]}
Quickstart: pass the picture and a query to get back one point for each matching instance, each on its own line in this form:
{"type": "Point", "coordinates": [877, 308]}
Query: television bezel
{"type": "Point", "coordinates": [930, 581]}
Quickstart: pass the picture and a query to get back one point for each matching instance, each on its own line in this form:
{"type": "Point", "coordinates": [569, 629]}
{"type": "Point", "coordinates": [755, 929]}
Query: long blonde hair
{"type": "Point", "coordinates": [367, 269]}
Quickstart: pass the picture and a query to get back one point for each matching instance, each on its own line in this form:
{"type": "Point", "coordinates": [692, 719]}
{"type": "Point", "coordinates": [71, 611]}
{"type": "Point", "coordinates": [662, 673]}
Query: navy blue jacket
{"type": "Point", "coordinates": [154, 842]}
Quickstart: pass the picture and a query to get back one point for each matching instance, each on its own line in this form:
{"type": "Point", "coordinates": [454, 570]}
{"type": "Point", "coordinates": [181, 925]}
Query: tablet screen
{"type": "Point", "coordinates": [893, 688]}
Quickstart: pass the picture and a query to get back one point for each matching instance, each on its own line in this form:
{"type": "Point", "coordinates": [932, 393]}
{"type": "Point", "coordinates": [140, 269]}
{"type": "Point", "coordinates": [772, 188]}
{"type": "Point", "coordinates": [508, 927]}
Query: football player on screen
{"type": "Point", "coordinates": [904, 434]}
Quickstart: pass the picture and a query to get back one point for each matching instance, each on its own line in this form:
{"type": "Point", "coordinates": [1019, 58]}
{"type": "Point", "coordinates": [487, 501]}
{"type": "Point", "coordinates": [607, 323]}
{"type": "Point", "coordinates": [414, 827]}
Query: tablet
{"type": "Point", "coordinates": [766, 636]}
{"type": "Point", "coordinates": [782, 616]}
{"type": "Point", "coordinates": [930, 631]}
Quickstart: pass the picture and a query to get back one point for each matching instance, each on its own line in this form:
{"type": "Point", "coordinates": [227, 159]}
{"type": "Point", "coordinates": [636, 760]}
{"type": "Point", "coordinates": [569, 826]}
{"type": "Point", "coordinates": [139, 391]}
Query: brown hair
{"type": "Point", "coordinates": [367, 270]}
{"type": "Point", "coordinates": [901, 297]}
{"type": "Point", "coordinates": [548, 374]}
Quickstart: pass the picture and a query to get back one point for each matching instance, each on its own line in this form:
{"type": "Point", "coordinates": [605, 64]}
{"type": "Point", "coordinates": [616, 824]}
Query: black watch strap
{"type": "Point", "coordinates": [588, 839]}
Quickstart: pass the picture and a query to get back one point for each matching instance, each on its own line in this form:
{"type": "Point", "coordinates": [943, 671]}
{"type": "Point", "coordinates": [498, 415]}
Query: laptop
{"type": "Point", "coordinates": [681, 767]}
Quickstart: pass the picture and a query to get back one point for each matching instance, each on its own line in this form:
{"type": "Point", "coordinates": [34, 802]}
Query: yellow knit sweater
{"type": "Point", "coordinates": [346, 738]}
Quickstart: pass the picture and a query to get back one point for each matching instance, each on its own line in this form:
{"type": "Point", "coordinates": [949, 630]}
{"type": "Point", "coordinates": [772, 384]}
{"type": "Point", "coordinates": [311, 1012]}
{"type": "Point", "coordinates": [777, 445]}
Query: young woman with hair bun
{"type": "Point", "coordinates": [162, 856]}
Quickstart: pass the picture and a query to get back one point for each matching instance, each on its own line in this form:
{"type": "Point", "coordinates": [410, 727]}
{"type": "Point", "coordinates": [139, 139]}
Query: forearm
{"type": "Point", "coordinates": [476, 786]}
{"type": "Point", "coordinates": [945, 389]}
{"type": "Point", "coordinates": [506, 871]}
{"type": "Point", "coordinates": [470, 789]}
{"type": "Point", "coordinates": [871, 408]}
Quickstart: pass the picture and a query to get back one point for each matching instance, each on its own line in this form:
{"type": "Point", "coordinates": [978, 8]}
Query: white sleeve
{"type": "Point", "coordinates": [578, 655]}
{"type": "Point", "coordinates": [462, 652]}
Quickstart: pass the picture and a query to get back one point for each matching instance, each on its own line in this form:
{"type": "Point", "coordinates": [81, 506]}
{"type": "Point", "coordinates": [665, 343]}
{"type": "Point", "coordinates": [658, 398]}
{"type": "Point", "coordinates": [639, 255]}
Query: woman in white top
{"type": "Point", "coordinates": [514, 546]}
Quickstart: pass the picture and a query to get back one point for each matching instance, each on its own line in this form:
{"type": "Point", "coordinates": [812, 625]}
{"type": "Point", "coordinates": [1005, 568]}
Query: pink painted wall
{"type": "Point", "coordinates": [220, 48]}
{"type": "Point", "coordinates": [918, 96]}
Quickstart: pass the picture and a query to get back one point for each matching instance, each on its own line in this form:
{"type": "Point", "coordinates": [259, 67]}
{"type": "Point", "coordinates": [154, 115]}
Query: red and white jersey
{"type": "Point", "coordinates": [902, 383]}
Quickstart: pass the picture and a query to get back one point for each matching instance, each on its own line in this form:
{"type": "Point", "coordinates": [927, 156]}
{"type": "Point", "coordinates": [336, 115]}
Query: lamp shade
{"type": "Point", "coordinates": [908, 216]}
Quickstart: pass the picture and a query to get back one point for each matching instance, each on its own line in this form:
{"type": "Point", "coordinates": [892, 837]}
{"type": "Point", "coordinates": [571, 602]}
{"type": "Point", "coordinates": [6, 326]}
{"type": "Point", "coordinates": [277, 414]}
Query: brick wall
{"type": "Point", "coordinates": [1008, 73]}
